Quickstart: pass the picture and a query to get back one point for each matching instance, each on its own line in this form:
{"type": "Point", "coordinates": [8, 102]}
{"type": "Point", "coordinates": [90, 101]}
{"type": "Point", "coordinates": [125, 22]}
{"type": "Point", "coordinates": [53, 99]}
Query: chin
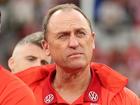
{"type": "Point", "coordinates": [77, 65]}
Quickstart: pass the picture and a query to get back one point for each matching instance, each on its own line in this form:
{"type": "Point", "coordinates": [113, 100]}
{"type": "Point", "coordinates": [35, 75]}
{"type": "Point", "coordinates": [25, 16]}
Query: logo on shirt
{"type": "Point", "coordinates": [93, 96]}
{"type": "Point", "coordinates": [49, 98]}
{"type": "Point", "coordinates": [94, 104]}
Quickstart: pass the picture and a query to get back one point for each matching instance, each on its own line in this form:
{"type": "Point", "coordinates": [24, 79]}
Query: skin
{"type": "Point", "coordinates": [26, 56]}
{"type": "Point", "coordinates": [70, 43]}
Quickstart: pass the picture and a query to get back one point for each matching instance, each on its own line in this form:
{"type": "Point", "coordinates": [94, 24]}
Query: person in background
{"type": "Point", "coordinates": [74, 79]}
{"type": "Point", "coordinates": [13, 91]}
{"type": "Point", "coordinates": [28, 52]}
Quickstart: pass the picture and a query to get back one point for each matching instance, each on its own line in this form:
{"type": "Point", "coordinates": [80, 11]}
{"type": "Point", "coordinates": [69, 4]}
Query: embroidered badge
{"type": "Point", "coordinates": [94, 104]}
{"type": "Point", "coordinates": [49, 98]}
{"type": "Point", "coordinates": [93, 96]}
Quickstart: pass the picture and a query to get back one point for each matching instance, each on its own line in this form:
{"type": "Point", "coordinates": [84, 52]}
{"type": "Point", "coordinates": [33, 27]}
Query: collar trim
{"type": "Point", "coordinates": [92, 94]}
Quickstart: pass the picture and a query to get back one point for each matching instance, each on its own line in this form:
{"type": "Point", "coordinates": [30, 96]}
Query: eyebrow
{"type": "Point", "coordinates": [63, 32]}
{"type": "Point", "coordinates": [30, 56]}
{"type": "Point", "coordinates": [79, 29]}
{"type": "Point", "coordinates": [66, 32]}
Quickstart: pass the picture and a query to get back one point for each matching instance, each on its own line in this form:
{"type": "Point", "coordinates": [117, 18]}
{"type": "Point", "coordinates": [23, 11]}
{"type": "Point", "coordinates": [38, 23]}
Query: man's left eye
{"type": "Point", "coordinates": [81, 34]}
{"type": "Point", "coordinates": [31, 59]}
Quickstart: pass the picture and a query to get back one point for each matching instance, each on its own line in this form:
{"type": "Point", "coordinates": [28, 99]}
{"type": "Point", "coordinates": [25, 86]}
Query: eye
{"type": "Point", "coordinates": [31, 58]}
{"type": "Point", "coordinates": [44, 62]}
{"type": "Point", "coordinates": [63, 35]}
{"type": "Point", "coordinates": [81, 33]}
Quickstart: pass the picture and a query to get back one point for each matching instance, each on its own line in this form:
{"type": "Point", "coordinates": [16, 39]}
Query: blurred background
{"type": "Point", "coordinates": [115, 22]}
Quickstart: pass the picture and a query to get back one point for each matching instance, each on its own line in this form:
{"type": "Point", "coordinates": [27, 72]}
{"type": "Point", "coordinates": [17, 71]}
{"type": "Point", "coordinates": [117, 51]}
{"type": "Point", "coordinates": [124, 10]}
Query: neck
{"type": "Point", "coordinates": [71, 84]}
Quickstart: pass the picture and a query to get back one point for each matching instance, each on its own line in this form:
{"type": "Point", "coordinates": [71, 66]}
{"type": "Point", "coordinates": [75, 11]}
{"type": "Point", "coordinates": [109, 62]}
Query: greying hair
{"type": "Point", "coordinates": [62, 7]}
{"type": "Point", "coordinates": [34, 38]}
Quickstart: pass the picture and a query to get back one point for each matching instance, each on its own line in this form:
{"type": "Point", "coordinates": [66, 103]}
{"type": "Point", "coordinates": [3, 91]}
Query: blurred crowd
{"type": "Point", "coordinates": [116, 24]}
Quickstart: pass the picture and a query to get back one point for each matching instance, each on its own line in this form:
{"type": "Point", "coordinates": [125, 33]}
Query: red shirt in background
{"type": "Point", "coordinates": [13, 91]}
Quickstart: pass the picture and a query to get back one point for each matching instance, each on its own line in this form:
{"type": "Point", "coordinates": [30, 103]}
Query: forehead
{"type": "Point", "coordinates": [28, 46]}
{"type": "Point", "coordinates": [67, 18]}
{"type": "Point", "coordinates": [26, 49]}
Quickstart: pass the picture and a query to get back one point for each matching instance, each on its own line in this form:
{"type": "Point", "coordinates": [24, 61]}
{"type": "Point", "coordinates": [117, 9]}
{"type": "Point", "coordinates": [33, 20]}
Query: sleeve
{"type": "Point", "coordinates": [131, 97]}
{"type": "Point", "coordinates": [13, 91]}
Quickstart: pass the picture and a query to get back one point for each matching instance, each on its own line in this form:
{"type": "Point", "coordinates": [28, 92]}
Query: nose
{"type": "Point", "coordinates": [73, 42]}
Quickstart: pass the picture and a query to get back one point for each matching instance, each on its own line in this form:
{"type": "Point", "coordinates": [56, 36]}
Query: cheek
{"type": "Point", "coordinates": [56, 48]}
{"type": "Point", "coordinates": [57, 52]}
{"type": "Point", "coordinates": [19, 66]}
{"type": "Point", "coordinates": [27, 65]}
{"type": "Point", "coordinates": [89, 43]}
{"type": "Point", "coordinates": [89, 47]}
{"type": "Point", "coordinates": [24, 63]}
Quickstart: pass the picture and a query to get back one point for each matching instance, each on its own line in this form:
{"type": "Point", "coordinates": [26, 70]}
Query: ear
{"type": "Point", "coordinates": [11, 64]}
{"type": "Point", "coordinates": [93, 44]}
{"type": "Point", "coordinates": [45, 47]}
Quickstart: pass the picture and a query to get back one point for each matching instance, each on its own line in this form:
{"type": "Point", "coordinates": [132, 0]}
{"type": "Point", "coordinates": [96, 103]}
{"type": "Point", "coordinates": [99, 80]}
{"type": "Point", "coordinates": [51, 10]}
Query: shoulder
{"type": "Point", "coordinates": [5, 75]}
{"type": "Point", "coordinates": [35, 75]}
{"type": "Point", "coordinates": [114, 84]}
{"type": "Point", "coordinates": [11, 87]}
{"type": "Point", "coordinates": [131, 97]}
{"type": "Point", "coordinates": [126, 97]}
{"type": "Point", "coordinates": [122, 97]}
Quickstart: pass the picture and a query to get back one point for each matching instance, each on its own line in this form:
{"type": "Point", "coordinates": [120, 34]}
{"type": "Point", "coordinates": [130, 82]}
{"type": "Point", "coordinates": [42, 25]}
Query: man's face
{"type": "Point", "coordinates": [28, 55]}
{"type": "Point", "coordinates": [69, 40]}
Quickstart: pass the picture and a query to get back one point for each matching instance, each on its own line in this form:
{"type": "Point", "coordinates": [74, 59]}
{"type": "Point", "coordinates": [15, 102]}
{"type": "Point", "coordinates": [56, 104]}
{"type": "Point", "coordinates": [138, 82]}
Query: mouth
{"type": "Point", "coordinates": [75, 54]}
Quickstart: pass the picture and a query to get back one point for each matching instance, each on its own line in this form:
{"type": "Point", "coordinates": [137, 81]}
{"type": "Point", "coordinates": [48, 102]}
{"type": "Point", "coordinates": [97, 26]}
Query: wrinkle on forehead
{"type": "Point", "coordinates": [73, 17]}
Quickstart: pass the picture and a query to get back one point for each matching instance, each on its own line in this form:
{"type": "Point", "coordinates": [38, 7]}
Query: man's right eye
{"type": "Point", "coordinates": [63, 35]}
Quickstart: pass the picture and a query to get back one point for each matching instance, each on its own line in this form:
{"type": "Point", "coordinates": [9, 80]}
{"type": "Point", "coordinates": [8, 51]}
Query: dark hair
{"type": "Point", "coordinates": [62, 7]}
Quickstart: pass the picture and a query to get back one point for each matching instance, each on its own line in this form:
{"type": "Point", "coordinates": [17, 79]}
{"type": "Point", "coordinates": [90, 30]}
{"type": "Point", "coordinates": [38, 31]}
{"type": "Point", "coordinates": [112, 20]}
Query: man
{"type": "Point", "coordinates": [74, 79]}
{"type": "Point", "coordinates": [28, 53]}
{"type": "Point", "coordinates": [13, 91]}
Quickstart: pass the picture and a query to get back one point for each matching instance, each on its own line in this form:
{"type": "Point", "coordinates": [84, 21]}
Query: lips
{"type": "Point", "coordinates": [75, 54]}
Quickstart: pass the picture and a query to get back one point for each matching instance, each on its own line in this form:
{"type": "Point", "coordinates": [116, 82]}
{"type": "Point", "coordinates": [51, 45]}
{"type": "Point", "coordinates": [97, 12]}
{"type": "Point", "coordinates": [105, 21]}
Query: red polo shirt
{"type": "Point", "coordinates": [113, 91]}
{"type": "Point", "coordinates": [90, 97]}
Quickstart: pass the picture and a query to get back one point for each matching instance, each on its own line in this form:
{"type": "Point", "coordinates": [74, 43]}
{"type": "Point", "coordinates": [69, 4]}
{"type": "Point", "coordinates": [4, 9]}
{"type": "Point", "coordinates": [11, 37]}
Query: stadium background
{"type": "Point", "coordinates": [116, 23]}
